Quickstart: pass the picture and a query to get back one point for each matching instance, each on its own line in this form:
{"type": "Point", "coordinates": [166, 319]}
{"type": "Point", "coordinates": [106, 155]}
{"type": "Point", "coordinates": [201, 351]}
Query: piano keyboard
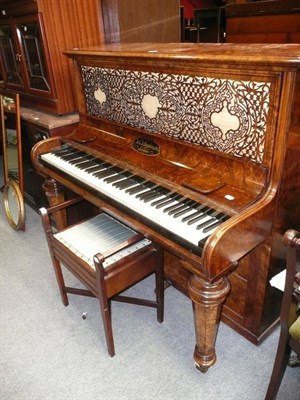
{"type": "Point", "coordinates": [177, 215]}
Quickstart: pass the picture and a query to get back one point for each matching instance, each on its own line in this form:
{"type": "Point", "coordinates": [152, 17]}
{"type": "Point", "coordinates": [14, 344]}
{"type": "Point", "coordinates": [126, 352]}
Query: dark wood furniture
{"type": "Point", "coordinates": [263, 22]}
{"type": "Point", "coordinates": [34, 34]}
{"type": "Point", "coordinates": [141, 21]}
{"type": "Point", "coordinates": [216, 125]}
{"type": "Point", "coordinates": [289, 338]}
{"type": "Point", "coordinates": [210, 24]}
{"type": "Point", "coordinates": [121, 259]}
{"type": "Point", "coordinates": [35, 126]}
{"type": "Point", "coordinates": [271, 22]}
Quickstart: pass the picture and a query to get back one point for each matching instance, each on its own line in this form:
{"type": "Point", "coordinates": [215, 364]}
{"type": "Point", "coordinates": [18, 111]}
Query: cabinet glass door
{"type": "Point", "coordinates": [10, 56]}
{"type": "Point", "coordinates": [30, 36]}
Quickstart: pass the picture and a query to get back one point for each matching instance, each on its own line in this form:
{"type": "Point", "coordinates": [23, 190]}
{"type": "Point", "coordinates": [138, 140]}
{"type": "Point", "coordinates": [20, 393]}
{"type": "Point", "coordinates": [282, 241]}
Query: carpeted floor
{"type": "Point", "coordinates": [49, 351]}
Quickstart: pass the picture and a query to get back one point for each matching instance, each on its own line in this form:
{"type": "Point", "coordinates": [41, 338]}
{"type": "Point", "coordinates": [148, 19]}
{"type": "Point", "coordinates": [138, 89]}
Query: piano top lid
{"type": "Point", "coordinates": [233, 53]}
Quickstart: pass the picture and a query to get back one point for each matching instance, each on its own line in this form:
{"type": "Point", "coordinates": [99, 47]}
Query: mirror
{"type": "Point", "coordinates": [12, 158]}
{"type": "Point", "coordinates": [14, 205]}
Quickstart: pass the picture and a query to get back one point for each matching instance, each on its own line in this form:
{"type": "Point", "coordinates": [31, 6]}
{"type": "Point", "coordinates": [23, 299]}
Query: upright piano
{"type": "Point", "coordinates": [197, 146]}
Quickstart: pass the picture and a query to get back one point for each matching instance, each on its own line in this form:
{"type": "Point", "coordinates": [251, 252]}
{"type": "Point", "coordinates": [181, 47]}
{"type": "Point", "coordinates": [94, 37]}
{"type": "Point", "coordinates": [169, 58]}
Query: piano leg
{"type": "Point", "coordinates": [207, 301]}
{"type": "Point", "coordinates": [55, 193]}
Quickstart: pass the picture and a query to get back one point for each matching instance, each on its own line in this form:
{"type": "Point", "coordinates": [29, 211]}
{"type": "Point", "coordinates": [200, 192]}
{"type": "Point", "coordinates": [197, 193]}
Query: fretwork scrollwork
{"type": "Point", "coordinates": [222, 114]}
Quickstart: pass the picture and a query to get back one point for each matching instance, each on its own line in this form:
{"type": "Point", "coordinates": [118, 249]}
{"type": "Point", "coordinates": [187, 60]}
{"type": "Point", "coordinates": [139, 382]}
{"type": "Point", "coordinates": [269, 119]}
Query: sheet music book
{"type": "Point", "coordinates": [278, 280]}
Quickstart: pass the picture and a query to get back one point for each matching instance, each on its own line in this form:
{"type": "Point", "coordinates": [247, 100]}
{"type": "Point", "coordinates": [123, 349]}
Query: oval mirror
{"type": "Point", "coordinates": [12, 158]}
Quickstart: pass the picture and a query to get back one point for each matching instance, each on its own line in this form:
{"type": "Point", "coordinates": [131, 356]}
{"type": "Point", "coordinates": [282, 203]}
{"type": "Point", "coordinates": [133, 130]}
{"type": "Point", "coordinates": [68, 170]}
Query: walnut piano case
{"type": "Point", "coordinates": [212, 132]}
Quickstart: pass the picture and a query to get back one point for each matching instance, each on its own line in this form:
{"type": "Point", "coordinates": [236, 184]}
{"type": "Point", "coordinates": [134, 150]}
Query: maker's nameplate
{"type": "Point", "coordinates": [145, 146]}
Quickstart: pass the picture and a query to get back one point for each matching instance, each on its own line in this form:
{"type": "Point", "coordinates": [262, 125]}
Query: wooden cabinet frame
{"type": "Point", "coordinates": [63, 25]}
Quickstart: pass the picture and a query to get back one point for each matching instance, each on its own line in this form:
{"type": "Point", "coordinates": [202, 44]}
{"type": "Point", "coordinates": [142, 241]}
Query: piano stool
{"type": "Point", "coordinates": [115, 264]}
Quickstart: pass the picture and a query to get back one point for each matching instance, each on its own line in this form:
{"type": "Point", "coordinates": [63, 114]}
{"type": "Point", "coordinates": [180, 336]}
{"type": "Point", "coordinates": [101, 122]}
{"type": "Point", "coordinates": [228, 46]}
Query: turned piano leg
{"type": "Point", "coordinates": [55, 194]}
{"type": "Point", "coordinates": [207, 301]}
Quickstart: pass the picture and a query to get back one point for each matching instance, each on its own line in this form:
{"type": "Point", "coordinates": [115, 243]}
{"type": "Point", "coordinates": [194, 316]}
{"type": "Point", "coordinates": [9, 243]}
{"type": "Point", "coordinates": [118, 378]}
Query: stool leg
{"type": "Point", "coordinates": [60, 281]}
{"type": "Point", "coordinates": [55, 261]}
{"type": "Point", "coordinates": [106, 317]}
{"type": "Point", "coordinates": [105, 307]}
{"type": "Point", "coordinates": [159, 281]}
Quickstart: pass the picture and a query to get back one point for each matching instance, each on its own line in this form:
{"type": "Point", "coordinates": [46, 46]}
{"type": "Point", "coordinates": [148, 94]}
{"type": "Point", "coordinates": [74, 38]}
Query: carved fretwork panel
{"type": "Point", "coordinates": [225, 115]}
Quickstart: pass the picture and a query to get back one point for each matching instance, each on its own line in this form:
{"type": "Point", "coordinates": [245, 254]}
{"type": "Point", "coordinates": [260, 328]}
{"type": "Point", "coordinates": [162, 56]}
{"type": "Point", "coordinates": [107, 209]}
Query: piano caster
{"type": "Point", "coordinates": [201, 368]}
{"type": "Point", "coordinates": [84, 315]}
{"type": "Point", "coordinates": [167, 284]}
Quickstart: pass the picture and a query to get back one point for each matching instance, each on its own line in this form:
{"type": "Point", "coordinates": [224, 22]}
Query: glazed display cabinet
{"type": "Point", "coordinates": [33, 36]}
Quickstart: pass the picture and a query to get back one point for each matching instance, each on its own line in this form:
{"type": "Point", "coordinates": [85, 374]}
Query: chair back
{"type": "Point", "coordinates": [291, 296]}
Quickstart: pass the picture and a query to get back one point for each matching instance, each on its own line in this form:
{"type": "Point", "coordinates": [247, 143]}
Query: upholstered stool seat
{"type": "Point", "coordinates": [107, 257]}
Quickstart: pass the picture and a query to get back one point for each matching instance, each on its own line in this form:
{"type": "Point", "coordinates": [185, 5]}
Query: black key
{"type": "Point", "coordinates": [143, 186]}
{"type": "Point", "coordinates": [135, 189]}
{"type": "Point", "coordinates": [163, 202]}
{"type": "Point", "coordinates": [212, 226]}
{"type": "Point", "coordinates": [87, 164]}
{"type": "Point", "coordinates": [61, 154]}
{"type": "Point", "coordinates": [215, 216]}
{"type": "Point", "coordinates": [158, 192]}
{"type": "Point", "coordinates": [206, 223]}
{"type": "Point", "coordinates": [71, 156]}
{"type": "Point", "coordinates": [101, 168]}
{"type": "Point", "coordinates": [117, 172]}
{"type": "Point", "coordinates": [114, 178]}
{"type": "Point", "coordinates": [202, 214]}
{"type": "Point", "coordinates": [140, 188]}
{"type": "Point", "coordinates": [182, 205]}
{"type": "Point", "coordinates": [175, 206]}
{"type": "Point", "coordinates": [105, 172]}
{"type": "Point", "coordinates": [197, 219]}
{"type": "Point", "coordinates": [127, 183]}
{"type": "Point", "coordinates": [151, 186]}
{"type": "Point", "coordinates": [184, 210]}
{"type": "Point", "coordinates": [198, 211]}
{"type": "Point", "coordinates": [220, 218]}
{"type": "Point", "coordinates": [64, 149]}
{"type": "Point", "coordinates": [99, 165]}
{"type": "Point", "coordinates": [79, 157]}
{"type": "Point", "coordinates": [83, 160]}
{"type": "Point", "coordinates": [190, 219]}
{"type": "Point", "coordinates": [67, 151]}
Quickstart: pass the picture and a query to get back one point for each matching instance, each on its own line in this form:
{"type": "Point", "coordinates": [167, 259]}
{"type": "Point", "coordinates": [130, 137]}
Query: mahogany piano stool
{"type": "Point", "coordinates": [107, 257]}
